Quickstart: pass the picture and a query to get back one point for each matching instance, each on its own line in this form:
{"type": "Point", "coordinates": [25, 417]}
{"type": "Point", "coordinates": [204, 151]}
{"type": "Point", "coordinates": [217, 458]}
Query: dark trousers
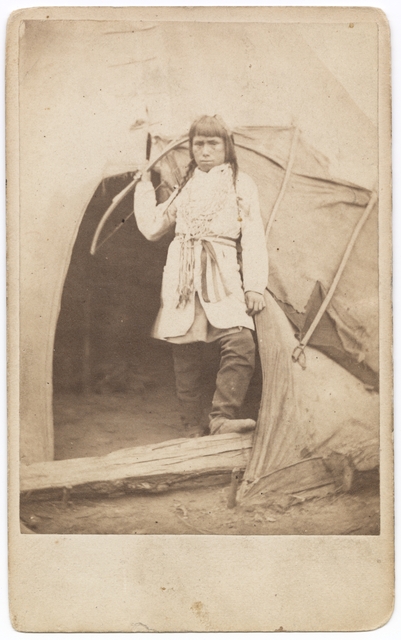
{"type": "Point", "coordinates": [237, 364]}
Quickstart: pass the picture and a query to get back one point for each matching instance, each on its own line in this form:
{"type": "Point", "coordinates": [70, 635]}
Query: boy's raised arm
{"type": "Point", "coordinates": [153, 220]}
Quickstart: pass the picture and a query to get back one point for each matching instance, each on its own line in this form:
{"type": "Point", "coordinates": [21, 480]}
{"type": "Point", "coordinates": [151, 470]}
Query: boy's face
{"type": "Point", "coordinates": [208, 152]}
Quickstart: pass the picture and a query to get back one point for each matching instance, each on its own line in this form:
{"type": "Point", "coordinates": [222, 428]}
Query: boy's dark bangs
{"type": "Point", "coordinates": [210, 128]}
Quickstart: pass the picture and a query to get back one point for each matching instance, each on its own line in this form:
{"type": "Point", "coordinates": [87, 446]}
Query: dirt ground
{"type": "Point", "coordinates": [204, 511]}
{"type": "Point", "coordinates": [96, 424]}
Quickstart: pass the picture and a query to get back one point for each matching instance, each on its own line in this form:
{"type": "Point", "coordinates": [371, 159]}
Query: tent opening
{"type": "Point", "coordinates": [114, 384]}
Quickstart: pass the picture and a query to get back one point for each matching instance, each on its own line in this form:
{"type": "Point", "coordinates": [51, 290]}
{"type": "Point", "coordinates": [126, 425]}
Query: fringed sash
{"type": "Point", "coordinates": [208, 257]}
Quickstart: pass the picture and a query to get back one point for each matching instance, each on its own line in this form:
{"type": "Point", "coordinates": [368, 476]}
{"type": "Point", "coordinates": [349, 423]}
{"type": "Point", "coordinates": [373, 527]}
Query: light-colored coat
{"type": "Point", "coordinates": [210, 215]}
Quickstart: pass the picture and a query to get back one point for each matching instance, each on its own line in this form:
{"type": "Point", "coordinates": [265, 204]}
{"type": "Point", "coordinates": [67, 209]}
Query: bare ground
{"type": "Point", "coordinates": [94, 425]}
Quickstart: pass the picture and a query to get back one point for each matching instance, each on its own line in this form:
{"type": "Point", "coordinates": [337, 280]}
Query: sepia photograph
{"type": "Point", "coordinates": [200, 245]}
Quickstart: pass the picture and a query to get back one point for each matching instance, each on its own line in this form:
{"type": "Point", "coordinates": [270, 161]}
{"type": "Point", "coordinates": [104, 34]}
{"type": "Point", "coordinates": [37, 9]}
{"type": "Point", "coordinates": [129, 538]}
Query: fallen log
{"type": "Point", "coordinates": [151, 468]}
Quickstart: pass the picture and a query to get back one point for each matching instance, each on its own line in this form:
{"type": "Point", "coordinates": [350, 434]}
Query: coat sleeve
{"type": "Point", "coordinates": [153, 220]}
{"type": "Point", "coordinates": [254, 251]}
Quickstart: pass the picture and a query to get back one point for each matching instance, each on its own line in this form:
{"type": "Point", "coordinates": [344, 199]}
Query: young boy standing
{"type": "Point", "coordinates": [204, 297]}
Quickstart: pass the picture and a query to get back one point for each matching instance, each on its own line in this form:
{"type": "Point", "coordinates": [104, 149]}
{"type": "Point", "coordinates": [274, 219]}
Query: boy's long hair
{"type": "Point", "coordinates": [211, 126]}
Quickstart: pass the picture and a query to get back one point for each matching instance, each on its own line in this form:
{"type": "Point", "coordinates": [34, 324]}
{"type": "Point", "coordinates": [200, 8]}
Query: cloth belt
{"type": "Point", "coordinates": [208, 254]}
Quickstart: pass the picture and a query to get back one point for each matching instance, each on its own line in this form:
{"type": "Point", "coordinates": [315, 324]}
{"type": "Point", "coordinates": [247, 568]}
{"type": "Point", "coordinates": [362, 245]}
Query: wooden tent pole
{"type": "Point", "coordinates": [287, 175]}
{"type": "Point", "coordinates": [120, 196]}
{"type": "Point", "coordinates": [299, 350]}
